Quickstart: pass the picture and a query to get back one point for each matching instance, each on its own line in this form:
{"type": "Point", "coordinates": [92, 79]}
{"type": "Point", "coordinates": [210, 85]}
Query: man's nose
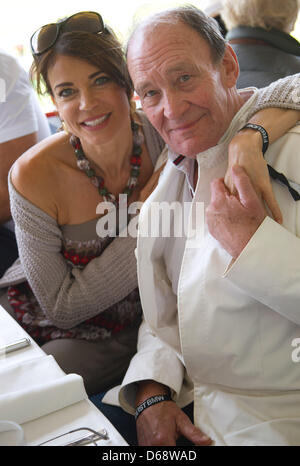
{"type": "Point", "coordinates": [174, 105]}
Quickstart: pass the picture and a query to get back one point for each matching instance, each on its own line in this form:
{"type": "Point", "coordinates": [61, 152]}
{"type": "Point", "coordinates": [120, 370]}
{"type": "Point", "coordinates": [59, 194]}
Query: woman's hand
{"type": "Point", "coordinates": [245, 150]}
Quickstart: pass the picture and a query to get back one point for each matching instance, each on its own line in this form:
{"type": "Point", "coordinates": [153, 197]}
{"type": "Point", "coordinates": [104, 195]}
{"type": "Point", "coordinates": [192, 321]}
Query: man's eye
{"type": "Point", "coordinates": [65, 92]}
{"type": "Point", "coordinates": [185, 77]}
{"type": "Point", "coordinates": [151, 93]}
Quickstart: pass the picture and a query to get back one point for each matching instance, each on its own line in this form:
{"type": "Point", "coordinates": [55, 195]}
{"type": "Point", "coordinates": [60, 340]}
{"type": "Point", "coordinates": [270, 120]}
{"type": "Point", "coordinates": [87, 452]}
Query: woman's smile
{"type": "Point", "coordinates": [96, 123]}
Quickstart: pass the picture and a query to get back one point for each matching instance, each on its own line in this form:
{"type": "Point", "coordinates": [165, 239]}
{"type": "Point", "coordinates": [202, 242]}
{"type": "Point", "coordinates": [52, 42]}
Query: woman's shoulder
{"type": "Point", "coordinates": [48, 150]}
{"type": "Point", "coordinates": [34, 174]}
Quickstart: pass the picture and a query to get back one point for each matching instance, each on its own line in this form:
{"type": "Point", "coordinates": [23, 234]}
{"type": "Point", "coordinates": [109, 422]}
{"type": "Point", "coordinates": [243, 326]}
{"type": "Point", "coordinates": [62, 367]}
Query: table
{"type": "Point", "coordinates": [77, 415]}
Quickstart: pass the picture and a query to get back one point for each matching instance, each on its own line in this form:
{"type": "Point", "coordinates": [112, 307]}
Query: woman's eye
{"type": "Point", "coordinates": [102, 80]}
{"type": "Point", "coordinates": [65, 92]}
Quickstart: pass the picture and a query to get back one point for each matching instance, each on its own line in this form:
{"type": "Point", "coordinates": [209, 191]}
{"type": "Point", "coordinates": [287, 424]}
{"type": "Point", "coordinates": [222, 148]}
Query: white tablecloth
{"type": "Point", "coordinates": [37, 394]}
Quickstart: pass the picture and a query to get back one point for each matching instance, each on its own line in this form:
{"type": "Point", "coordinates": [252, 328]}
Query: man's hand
{"type": "Point", "coordinates": [233, 219]}
{"type": "Point", "coordinates": [162, 424]}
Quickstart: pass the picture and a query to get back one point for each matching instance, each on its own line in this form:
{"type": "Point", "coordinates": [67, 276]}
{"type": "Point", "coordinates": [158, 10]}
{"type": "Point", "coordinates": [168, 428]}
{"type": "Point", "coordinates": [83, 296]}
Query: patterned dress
{"type": "Point", "coordinates": [80, 246]}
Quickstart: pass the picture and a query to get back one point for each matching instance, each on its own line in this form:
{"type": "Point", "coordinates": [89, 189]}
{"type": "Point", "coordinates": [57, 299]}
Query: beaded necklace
{"type": "Point", "coordinates": [98, 181]}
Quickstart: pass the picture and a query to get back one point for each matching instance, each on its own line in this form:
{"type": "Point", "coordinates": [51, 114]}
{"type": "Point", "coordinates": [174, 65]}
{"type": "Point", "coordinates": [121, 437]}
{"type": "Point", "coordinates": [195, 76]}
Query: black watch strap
{"type": "Point", "coordinates": [263, 132]}
{"type": "Point", "coordinates": [153, 400]}
{"type": "Point", "coordinates": [274, 174]}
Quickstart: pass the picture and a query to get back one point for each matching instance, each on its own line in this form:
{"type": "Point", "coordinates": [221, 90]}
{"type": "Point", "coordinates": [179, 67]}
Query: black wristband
{"type": "Point", "coordinates": [153, 400]}
{"type": "Point", "coordinates": [263, 132]}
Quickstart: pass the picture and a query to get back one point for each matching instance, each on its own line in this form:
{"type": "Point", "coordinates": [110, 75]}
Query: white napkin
{"type": "Point", "coordinates": [11, 434]}
{"type": "Point", "coordinates": [34, 388]}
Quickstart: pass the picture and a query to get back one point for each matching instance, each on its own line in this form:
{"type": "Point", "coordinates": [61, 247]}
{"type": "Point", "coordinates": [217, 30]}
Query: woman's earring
{"type": "Point", "coordinates": [63, 127]}
{"type": "Point", "coordinates": [132, 108]}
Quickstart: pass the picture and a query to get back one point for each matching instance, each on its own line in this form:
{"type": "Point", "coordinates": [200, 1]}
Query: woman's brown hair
{"type": "Point", "coordinates": [101, 50]}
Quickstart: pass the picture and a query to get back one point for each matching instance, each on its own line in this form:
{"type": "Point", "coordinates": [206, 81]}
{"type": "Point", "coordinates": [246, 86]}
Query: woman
{"type": "Point", "coordinates": [80, 300]}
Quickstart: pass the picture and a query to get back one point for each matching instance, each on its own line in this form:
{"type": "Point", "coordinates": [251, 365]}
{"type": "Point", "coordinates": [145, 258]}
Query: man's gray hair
{"type": "Point", "coordinates": [207, 27]}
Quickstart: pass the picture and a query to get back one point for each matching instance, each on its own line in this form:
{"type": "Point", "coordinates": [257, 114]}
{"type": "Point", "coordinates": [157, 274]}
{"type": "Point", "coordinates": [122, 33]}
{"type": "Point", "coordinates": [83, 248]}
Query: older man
{"type": "Point", "coordinates": [222, 308]}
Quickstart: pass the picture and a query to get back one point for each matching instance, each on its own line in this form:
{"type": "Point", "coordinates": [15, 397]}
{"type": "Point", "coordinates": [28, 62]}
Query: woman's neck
{"type": "Point", "coordinates": [112, 159]}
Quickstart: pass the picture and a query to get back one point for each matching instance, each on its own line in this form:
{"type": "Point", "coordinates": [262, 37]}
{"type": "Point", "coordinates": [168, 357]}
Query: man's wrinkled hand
{"type": "Point", "coordinates": [233, 218]}
{"type": "Point", "coordinates": [162, 424]}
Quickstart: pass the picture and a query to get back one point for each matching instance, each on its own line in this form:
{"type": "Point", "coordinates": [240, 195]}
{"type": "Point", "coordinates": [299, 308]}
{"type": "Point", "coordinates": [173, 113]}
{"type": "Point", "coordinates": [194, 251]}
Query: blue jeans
{"type": "Point", "coordinates": [125, 423]}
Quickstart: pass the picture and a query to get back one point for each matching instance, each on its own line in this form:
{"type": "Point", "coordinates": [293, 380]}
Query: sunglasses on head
{"type": "Point", "coordinates": [45, 37]}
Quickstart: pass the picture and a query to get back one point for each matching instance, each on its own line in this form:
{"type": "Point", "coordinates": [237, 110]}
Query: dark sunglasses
{"type": "Point", "coordinates": [85, 21]}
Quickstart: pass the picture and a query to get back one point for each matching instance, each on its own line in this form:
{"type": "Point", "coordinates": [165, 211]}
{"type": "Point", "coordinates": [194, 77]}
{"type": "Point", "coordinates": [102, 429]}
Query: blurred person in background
{"type": "Point", "coordinates": [213, 8]}
{"type": "Point", "coordinates": [22, 124]}
{"type": "Point", "coordinates": [259, 33]}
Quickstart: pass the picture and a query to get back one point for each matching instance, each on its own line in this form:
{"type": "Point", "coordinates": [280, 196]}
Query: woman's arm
{"type": "Point", "coordinates": [245, 148]}
{"type": "Point", "coordinates": [68, 295]}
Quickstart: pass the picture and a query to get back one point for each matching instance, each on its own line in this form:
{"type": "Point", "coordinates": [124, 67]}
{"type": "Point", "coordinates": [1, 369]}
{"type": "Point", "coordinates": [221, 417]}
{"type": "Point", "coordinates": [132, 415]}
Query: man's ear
{"type": "Point", "coordinates": [230, 67]}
